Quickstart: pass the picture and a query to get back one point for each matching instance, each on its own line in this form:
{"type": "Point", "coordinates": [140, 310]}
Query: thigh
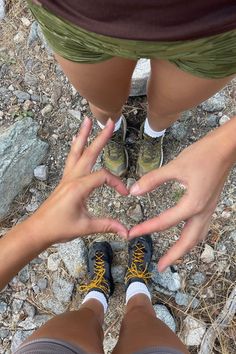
{"type": "Point", "coordinates": [105, 84]}
{"type": "Point", "coordinates": [172, 90]}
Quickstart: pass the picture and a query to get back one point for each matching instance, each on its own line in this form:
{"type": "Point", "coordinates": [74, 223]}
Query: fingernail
{"type": "Point", "coordinates": [73, 139]}
{"type": "Point", "coordinates": [134, 190]}
{"type": "Point", "coordinates": [85, 121]}
{"type": "Point", "coordinates": [109, 122]}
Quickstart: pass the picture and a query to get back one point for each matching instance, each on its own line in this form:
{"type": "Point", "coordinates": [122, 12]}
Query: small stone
{"type": "Point", "coordinates": [215, 103]}
{"type": "Point", "coordinates": [207, 255]}
{"type": "Point", "coordinates": [135, 213]}
{"type": "Point", "coordinates": [118, 246]}
{"type": "Point", "coordinates": [54, 305]}
{"type": "Point", "coordinates": [29, 309]}
{"type": "Point", "coordinates": [118, 273]}
{"type": "Point", "coordinates": [2, 10]}
{"type": "Point", "coordinates": [233, 236]}
{"type": "Point", "coordinates": [28, 105]}
{"type": "Point", "coordinates": [168, 279]}
{"type": "Point", "coordinates": [16, 305]}
{"type": "Point", "coordinates": [165, 316]}
{"type": "Point", "coordinates": [84, 102]}
{"type": "Point", "coordinates": [11, 88]}
{"type": "Point", "coordinates": [75, 114]}
{"type": "Point", "coordinates": [19, 37]}
{"type": "Point", "coordinates": [3, 307]}
{"type": "Point", "coordinates": [23, 275]}
{"type": "Point", "coordinates": [56, 95]}
{"type": "Point", "coordinates": [21, 95]}
{"type": "Point", "coordinates": [41, 172]}
{"type": "Point", "coordinates": [212, 120]}
{"type": "Point", "coordinates": [140, 77]}
{"type": "Point", "coordinates": [193, 331]}
{"type": "Point", "coordinates": [30, 79]}
{"type": "Point", "coordinates": [42, 283]}
{"type": "Point", "coordinates": [179, 131]}
{"type": "Point", "coordinates": [4, 333]}
{"type": "Point", "coordinates": [26, 22]}
{"type": "Point", "coordinates": [46, 110]}
{"type": "Point", "coordinates": [224, 119]}
{"type": "Point", "coordinates": [186, 300]}
{"type": "Point", "coordinates": [33, 34]}
{"type": "Point", "coordinates": [62, 289]}
{"type": "Point", "coordinates": [198, 278]}
{"type": "Point", "coordinates": [130, 182]}
{"type": "Point", "coordinates": [53, 262]}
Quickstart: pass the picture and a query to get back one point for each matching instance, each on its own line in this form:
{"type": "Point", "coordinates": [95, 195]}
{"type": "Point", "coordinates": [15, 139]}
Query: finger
{"type": "Point", "coordinates": [193, 232]}
{"type": "Point", "coordinates": [164, 221]}
{"type": "Point", "coordinates": [152, 180]}
{"type": "Point", "coordinates": [78, 145]}
{"type": "Point", "coordinates": [97, 179]}
{"type": "Point", "coordinates": [90, 156]}
{"type": "Point", "coordinates": [107, 225]}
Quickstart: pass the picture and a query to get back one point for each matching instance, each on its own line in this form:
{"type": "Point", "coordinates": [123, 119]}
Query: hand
{"type": "Point", "coordinates": [64, 216]}
{"type": "Point", "coordinates": [202, 168]}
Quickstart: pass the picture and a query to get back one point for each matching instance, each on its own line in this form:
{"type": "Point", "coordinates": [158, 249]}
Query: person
{"type": "Point", "coordinates": [62, 217]}
{"type": "Point", "coordinates": [192, 49]}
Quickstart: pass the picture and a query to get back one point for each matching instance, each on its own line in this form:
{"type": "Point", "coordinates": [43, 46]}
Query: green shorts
{"type": "Point", "coordinates": [211, 57]}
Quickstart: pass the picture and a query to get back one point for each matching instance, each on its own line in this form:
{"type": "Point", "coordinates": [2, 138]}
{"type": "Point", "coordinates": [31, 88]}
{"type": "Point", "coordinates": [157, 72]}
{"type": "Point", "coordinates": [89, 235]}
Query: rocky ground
{"type": "Point", "coordinates": [40, 112]}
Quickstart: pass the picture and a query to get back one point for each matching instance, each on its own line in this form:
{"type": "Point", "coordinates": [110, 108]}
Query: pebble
{"type": "Point", "coordinates": [19, 37]}
{"type": "Point", "coordinates": [193, 331]}
{"type": "Point", "coordinates": [75, 114]}
{"type": "Point", "coordinates": [179, 131]}
{"type": "Point", "coordinates": [21, 95]}
{"type": "Point", "coordinates": [207, 255]}
{"type": "Point", "coordinates": [198, 278]}
{"type": "Point", "coordinates": [30, 79]}
{"type": "Point", "coordinates": [224, 119]}
{"type": "Point", "coordinates": [29, 309]}
{"type": "Point", "coordinates": [56, 95]}
{"type": "Point", "coordinates": [118, 273]}
{"type": "Point", "coordinates": [212, 120]}
{"type": "Point", "coordinates": [42, 283]}
{"type": "Point", "coordinates": [33, 34]}
{"type": "Point", "coordinates": [186, 300]}
{"type": "Point", "coordinates": [28, 105]}
{"type": "Point", "coordinates": [135, 213]}
{"type": "Point", "coordinates": [233, 236]}
{"type": "Point", "coordinates": [16, 305]}
{"type": "Point", "coordinates": [165, 316]}
{"type": "Point", "coordinates": [168, 279]}
{"type": "Point", "coordinates": [53, 262]}
{"type": "Point", "coordinates": [215, 103]}
{"type": "Point", "coordinates": [41, 172]}
{"type": "Point", "coordinates": [46, 110]}
{"type": "Point", "coordinates": [62, 289]}
{"type": "Point", "coordinates": [26, 22]}
{"type": "Point", "coordinates": [23, 275]}
{"type": "Point", "coordinates": [4, 333]}
{"type": "Point", "coordinates": [3, 307]}
{"type": "Point", "coordinates": [2, 9]}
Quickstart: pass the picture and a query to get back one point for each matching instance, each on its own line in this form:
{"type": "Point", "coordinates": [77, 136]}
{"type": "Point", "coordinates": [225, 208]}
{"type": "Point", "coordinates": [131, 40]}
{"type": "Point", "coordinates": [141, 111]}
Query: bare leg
{"type": "Point", "coordinates": [81, 328]}
{"type": "Point", "coordinates": [105, 85]}
{"type": "Point", "coordinates": [172, 91]}
{"type": "Point", "coordinates": [141, 329]}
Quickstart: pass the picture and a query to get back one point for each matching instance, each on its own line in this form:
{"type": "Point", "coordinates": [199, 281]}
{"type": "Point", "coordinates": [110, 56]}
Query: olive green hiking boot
{"type": "Point", "coordinates": [115, 155]}
{"type": "Point", "coordinates": [150, 153]}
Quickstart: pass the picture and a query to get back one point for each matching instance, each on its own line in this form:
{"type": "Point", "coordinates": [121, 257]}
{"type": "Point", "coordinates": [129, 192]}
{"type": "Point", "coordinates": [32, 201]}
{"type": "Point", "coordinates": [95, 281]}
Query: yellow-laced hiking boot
{"type": "Point", "coordinates": [99, 267]}
{"type": "Point", "coordinates": [140, 255]}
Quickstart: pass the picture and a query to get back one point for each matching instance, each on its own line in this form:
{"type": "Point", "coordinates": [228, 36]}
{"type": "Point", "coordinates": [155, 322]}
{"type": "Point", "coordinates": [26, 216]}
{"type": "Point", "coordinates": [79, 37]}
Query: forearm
{"type": "Point", "coordinates": [17, 248]}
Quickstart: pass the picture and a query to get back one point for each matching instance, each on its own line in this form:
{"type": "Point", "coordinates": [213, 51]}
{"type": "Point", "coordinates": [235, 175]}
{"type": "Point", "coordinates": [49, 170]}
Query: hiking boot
{"type": "Point", "coordinates": [140, 254]}
{"type": "Point", "coordinates": [115, 155]}
{"type": "Point", "coordinates": [150, 153]}
{"type": "Point", "coordinates": [99, 267]}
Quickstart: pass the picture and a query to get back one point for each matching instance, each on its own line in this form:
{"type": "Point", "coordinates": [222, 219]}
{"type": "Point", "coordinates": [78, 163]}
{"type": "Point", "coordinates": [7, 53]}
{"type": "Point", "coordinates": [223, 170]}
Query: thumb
{"type": "Point", "coordinates": [152, 180]}
{"type": "Point", "coordinates": [107, 225]}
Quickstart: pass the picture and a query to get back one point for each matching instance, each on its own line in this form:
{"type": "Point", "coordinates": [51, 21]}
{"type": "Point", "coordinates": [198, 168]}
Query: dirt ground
{"type": "Point", "coordinates": [58, 128]}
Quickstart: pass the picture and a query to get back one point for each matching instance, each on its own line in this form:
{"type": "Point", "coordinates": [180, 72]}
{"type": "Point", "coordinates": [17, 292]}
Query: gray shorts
{"type": "Point", "coordinates": [53, 346]}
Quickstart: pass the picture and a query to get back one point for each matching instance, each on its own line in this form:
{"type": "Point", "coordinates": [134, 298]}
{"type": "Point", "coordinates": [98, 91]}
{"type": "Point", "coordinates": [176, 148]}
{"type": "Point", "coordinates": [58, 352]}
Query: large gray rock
{"type": "Point", "coordinates": [168, 279]}
{"type": "Point", "coordinates": [193, 331]}
{"type": "Point", "coordinates": [140, 77]}
{"type": "Point", "coordinates": [215, 103]}
{"type": "Point", "coordinates": [74, 255]}
{"type": "Point", "coordinates": [18, 338]}
{"type": "Point", "coordinates": [20, 152]}
{"type": "Point", "coordinates": [62, 289]}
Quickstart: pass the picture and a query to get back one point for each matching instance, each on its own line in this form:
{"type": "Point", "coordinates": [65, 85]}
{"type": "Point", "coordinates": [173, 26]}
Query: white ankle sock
{"type": "Point", "coordinates": [153, 133]}
{"type": "Point", "coordinates": [136, 288]}
{"type": "Point", "coordinates": [117, 125]}
{"type": "Point", "coordinates": [97, 295]}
